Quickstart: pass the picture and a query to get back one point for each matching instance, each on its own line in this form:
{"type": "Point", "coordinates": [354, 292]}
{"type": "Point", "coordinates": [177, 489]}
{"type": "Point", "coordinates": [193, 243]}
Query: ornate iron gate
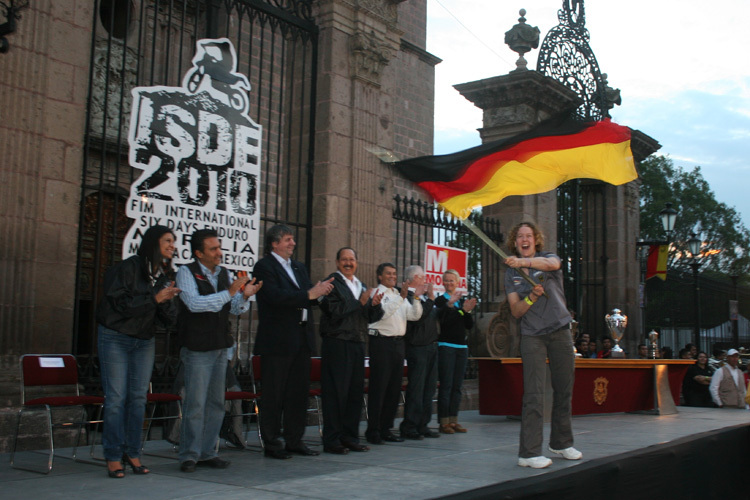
{"type": "Point", "coordinates": [151, 42]}
{"type": "Point", "coordinates": [566, 56]}
{"type": "Point", "coordinates": [418, 222]}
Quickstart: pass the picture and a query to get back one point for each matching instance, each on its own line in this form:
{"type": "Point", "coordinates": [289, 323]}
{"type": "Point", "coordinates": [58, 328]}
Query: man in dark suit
{"type": "Point", "coordinates": [285, 341]}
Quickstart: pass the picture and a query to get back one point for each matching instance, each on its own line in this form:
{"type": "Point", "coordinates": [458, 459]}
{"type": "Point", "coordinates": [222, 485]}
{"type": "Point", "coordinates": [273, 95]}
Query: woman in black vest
{"type": "Point", "coordinates": [138, 295]}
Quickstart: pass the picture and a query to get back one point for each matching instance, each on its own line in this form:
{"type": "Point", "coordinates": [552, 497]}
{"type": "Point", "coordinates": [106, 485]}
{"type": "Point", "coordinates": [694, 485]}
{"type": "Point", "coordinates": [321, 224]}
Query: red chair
{"type": "Point", "coordinates": [55, 373]}
{"type": "Point", "coordinates": [316, 393]}
{"type": "Point", "coordinates": [252, 399]}
{"type": "Point", "coordinates": [154, 399]}
{"type": "Point", "coordinates": [366, 397]}
{"type": "Point", "coordinates": [367, 387]}
{"type": "Point", "coordinates": [249, 397]}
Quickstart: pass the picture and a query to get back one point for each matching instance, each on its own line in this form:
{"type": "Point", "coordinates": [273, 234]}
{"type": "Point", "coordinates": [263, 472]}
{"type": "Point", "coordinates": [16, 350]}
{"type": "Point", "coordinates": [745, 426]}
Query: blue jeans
{"type": "Point", "coordinates": [203, 406]}
{"type": "Point", "coordinates": [126, 367]}
{"type": "Point", "coordinates": [451, 370]}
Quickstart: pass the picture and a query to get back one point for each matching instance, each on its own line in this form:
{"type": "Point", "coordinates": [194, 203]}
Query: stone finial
{"type": "Point", "coordinates": [521, 38]}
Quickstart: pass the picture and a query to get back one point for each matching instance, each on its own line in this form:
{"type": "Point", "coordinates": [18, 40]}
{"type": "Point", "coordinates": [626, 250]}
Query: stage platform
{"type": "Point", "coordinates": [480, 464]}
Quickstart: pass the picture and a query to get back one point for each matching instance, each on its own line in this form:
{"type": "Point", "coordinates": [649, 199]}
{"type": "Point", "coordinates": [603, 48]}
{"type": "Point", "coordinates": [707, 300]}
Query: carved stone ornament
{"type": "Point", "coordinates": [521, 38]}
{"type": "Point", "coordinates": [503, 337]}
{"type": "Point", "coordinates": [370, 54]}
{"type": "Point", "coordinates": [387, 9]}
{"type": "Point", "coordinates": [111, 86]}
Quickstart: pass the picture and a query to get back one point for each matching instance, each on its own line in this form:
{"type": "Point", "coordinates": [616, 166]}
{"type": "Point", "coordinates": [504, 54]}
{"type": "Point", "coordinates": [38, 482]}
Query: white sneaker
{"type": "Point", "coordinates": [568, 453]}
{"type": "Point", "coordinates": [534, 462]}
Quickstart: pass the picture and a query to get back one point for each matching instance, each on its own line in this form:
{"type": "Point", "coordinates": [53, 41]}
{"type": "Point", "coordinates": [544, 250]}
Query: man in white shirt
{"type": "Point", "coordinates": [387, 353]}
{"type": "Point", "coordinates": [728, 383]}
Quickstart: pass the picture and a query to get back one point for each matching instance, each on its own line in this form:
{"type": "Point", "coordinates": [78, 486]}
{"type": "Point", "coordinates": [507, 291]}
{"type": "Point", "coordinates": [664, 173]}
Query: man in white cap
{"type": "Point", "coordinates": [728, 383]}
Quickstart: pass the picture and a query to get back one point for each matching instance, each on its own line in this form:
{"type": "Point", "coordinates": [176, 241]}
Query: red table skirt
{"type": "Point", "coordinates": [601, 385]}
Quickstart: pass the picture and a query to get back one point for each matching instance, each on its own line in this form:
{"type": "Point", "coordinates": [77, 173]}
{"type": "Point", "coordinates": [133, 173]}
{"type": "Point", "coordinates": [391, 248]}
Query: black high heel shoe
{"type": "Point", "coordinates": [137, 469]}
{"type": "Point", "coordinates": [117, 473]}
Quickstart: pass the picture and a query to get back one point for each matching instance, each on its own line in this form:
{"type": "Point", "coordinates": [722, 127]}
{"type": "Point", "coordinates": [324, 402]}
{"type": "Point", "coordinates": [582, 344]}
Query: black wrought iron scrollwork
{"type": "Point", "coordinates": [567, 57]}
{"type": "Point", "coordinates": [300, 8]}
{"type": "Point", "coordinates": [11, 11]}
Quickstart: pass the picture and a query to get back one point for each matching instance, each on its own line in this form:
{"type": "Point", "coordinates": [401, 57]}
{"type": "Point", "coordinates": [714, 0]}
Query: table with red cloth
{"type": "Point", "coordinates": [601, 385]}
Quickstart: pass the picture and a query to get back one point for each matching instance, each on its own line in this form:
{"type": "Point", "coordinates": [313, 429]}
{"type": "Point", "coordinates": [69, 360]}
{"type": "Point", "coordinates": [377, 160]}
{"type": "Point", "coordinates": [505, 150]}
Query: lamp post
{"type": "Point", "coordinates": [694, 245]}
{"type": "Point", "coordinates": [668, 217]}
{"type": "Point", "coordinates": [735, 318]}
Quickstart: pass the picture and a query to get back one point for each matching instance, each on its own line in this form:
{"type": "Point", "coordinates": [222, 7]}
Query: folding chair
{"type": "Point", "coordinates": [405, 375]}
{"type": "Point", "coordinates": [316, 393]}
{"type": "Point", "coordinates": [366, 391]}
{"type": "Point", "coordinates": [154, 399]}
{"type": "Point", "coordinates": [53, 372]}
{"type": "Point", "coordinates": [252, 399]}
{"type": "Point", "coordinates": [249, 397]}
{"type": "Point", "coordinates": [367, 387]}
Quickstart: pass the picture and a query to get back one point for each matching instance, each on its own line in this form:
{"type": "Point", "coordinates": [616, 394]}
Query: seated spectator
{"type": "Point", "coordinates": [718, 359]}
{"type": "Point", "coordinates": [592, 349]}
{"type": "Point", "coordinates": [606, 351]}
{"type": "Point", "coordinates": [727, 387]}
{"type": "Point", "coordinates": [684, 354]}
{"type": "Point", "coordinates": [696, 383]}
{"type": "Point", "coordinates": [692, 350]}
{"type": "Point", "coordinates": [642, 351]}
{"type": "Point", "coordinates": [582, 348]}
{"type": "Point", "coordinates": [666, 352]}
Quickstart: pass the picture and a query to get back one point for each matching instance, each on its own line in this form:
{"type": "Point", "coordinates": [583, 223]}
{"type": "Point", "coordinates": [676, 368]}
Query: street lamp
{"type": "Point", "coordinates": [735, 312]}
{"type": "Point", "coordinates": [694, 245]}
{"type": "Point", "coordinates": [668, 217]}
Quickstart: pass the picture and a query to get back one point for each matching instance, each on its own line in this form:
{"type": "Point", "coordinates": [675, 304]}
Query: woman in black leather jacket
{"type": "Point", "coordinates": [138, 294]}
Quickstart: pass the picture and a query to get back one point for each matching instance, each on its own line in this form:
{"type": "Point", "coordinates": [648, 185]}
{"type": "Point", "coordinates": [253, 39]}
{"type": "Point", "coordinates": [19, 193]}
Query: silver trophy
{"type": "Point", "coordinates": [616, 323]}
{"type": "Point", "coordinates": [653, 344]}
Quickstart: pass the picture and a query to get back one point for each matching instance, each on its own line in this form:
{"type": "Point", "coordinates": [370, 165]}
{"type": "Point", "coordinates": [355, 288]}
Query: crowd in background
{"type": "Point", "coordinates": [702, 385]}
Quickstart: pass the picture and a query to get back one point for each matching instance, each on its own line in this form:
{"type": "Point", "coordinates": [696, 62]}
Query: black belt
{"type": "Point", "coordinates": [375, 333]}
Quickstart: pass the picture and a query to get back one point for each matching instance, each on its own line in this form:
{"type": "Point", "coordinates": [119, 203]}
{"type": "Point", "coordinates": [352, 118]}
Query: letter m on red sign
{"type": "Point", "coordinates": [438, 259]}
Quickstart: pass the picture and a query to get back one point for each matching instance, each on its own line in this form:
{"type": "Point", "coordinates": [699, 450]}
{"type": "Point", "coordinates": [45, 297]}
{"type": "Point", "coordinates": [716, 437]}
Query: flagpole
{"type": "Point", "coordinates": [474, 229]}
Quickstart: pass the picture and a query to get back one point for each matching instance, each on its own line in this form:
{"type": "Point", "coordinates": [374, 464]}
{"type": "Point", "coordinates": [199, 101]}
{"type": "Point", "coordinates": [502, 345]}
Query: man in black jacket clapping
{"type": "Point", "coordinates": [421, 359]}
{"type": "Point", "coordinates": [347, 310]}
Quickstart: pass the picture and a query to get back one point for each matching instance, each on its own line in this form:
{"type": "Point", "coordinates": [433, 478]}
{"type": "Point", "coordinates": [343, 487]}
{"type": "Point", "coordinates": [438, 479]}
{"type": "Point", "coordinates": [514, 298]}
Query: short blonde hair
{"type": "Point", "coordinates": [452, 271]}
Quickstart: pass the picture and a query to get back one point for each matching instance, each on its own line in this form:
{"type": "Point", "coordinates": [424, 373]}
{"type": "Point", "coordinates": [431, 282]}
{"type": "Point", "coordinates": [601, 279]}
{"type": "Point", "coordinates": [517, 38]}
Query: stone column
{"type": "Point", "coordinates": [359, 68]}
{"type": "Point", "coordinates": [512, 104]}
{"type": "Point", "coordinates": [42, 98]}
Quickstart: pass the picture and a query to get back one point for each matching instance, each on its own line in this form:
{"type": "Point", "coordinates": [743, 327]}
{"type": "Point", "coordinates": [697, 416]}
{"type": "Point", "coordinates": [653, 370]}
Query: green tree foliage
{"type": "Point", "coordinates": [726, 240]}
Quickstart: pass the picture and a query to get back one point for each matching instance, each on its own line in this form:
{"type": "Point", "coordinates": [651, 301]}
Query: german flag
{"type": "Point", "coordinates": [532, 162]}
